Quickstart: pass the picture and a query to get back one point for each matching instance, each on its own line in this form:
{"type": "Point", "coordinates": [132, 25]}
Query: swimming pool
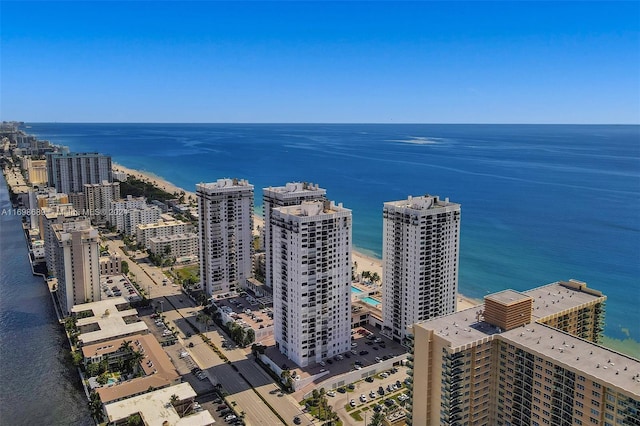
{"type": "Point", "coordinates": [371, 301]}
{"type": "Point", "coordinates": [355, 290]}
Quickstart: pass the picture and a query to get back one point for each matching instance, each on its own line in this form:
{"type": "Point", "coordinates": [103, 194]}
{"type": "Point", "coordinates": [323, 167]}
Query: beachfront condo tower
{"type": "Point", "coordinates": [77, 262]}
{"type": "Point", "coordinates": [311, 280]}
{"type": "Point", "coordinates": [225, 224]}
{"type": "Point", "coordinates": [69, 172]}
{"type": "Point", "coordinates": [291, 194]}
{"type": "Point", "coordinates": [421, 240]}
{"type": "Point", "coordinates": [522, 358]}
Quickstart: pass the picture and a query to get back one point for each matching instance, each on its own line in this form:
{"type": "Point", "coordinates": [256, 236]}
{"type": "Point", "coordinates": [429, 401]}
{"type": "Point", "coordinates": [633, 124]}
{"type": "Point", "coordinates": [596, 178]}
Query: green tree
{"type": "Point", "coordinates": [134, 361]}
{"type": "Point", "coordinates": [76, 358]}
{"type": "Point", "coordinates": [125, 267]}
{"type": "Point", "coordinates": [135, 420]}
{"type": "Point", "coordinates": [377, 419]}
{"type": "Point", "coordinates": [374, 277]}
{"type": "Point", "coordinates": [103, 378]}
{"type": "Point", "coordinates": [174, 399]}
{"type": "Point", "coordinates": [95, 406]}
{"type": "Point", "coordinates": [93, 369]}
{"type": "Point", "coordinates": [249, 337]}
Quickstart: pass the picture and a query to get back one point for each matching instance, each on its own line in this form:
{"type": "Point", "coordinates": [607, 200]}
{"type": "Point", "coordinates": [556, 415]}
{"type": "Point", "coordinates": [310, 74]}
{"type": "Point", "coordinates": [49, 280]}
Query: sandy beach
{"type": "Point", "coordinates": [156, 180]}
{"type": "Point", "coordinates": [364, 262]}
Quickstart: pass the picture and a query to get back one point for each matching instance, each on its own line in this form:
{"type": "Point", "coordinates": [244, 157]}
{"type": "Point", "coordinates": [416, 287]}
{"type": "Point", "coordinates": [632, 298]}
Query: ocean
{"type": "Point", "coordinates": [540, 203]}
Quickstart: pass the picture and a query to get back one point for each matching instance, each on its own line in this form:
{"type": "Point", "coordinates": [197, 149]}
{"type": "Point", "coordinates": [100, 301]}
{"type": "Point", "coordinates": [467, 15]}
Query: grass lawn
{"type": "Point", "coordinates": [356, 415]}
{"type": "Point", "coordinates": [192, 271]}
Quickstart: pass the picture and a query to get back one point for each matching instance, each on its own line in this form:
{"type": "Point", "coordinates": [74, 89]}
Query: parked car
{"type": "Point", "coordinates": [297, 420]}
{"type": "Point", "coordinates": [363, 398]}
{"type": "Point", "coordinates": [352, 403]}
{"type": "Point", "coordinates": [364, 352]}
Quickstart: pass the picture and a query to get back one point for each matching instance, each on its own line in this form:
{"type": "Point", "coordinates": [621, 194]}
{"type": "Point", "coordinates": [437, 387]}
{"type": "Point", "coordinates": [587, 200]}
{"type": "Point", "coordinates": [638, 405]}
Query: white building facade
{"type": "Point", "coordinates": [179, 245]}
{"type": "Point", "coordinates": [312, 280]}
{"type": "Point", "coordinates": [421, 241]}
{"type": "Point", "coordinates": [68, 172]}
{"type": "Point", "coordinates": [161, 228]}
{"type": "Point", "coordinates": [98, 198]}
{"type": "Point", "coordinates": [118, 208]}
{"type": "Point", "coordinates": [292, 194]}
{"type": "Point", "coordinates": [226, 222]}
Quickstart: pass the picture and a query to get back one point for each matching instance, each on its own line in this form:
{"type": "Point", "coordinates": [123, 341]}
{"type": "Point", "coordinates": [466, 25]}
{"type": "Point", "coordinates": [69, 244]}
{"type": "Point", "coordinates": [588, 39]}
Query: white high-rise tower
{"type": "Point", "coordinates": [421, 240]}
{"type": "Point", "coordinates": [311, 280]}
{"type": "Point", "coordinates": [225, 223]}
{"type": "Point", "coordinates": [292, 194]}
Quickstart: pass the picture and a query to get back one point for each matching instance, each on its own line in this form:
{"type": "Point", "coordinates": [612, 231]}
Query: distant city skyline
{"type": "Point", "coordinates": [321, 62]}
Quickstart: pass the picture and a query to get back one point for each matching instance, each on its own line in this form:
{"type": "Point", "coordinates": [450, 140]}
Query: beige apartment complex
{"type": "Point", "coordinates": [522, 358]}
{"type": "Point", "coordinates": [36, 170]}
{"type": "Point", "coordinates": [177, 245]}
{"type": "Point", "coordinates": [77, 263]}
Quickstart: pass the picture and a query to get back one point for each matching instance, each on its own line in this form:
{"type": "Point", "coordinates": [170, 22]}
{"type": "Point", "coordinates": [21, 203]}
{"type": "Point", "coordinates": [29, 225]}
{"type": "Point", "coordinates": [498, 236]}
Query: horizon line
{"type": "Point", "coordinates": [324, 123]}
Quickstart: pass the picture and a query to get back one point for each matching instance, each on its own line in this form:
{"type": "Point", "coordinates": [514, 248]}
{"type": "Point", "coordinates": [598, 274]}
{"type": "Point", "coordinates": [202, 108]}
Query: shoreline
{"type": "Point", "coordinates": [364, 261]}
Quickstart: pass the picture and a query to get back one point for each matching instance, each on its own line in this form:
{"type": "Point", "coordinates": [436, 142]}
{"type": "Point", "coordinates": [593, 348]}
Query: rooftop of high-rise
{"type": "Point", "coordinates": [222, 185]}
{"type": "Point", "coordinates": [469, 325]}
{"type": "Point", "coordinates": [313, 209]}
{"type": "Point", "coordinates": [294, 189]}
{"type": "Point", "coordinates": [424, 202]}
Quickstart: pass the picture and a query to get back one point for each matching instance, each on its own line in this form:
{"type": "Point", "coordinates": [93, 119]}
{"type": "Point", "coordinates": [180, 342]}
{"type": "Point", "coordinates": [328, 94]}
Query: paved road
{"type": "Point", "coordinates": [340, 401]}
{"type": "Point", "coordinates": [256, 411]}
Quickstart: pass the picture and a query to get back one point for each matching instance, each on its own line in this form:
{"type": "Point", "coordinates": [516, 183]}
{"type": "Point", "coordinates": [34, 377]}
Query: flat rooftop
{"type": "Point", "coordinates": [161, 223]}
{"type": "Point", "coordinates": [425, 202]}
{"type": "Point", "coordinates": [312, 209]}
{"type": "Point", "coordinates": [174, 237]}
{"type": "Point", "coordinates": [561, 296]}
{"type": "Point", "coordinates": [591, 360]}
{"type": "Point", "coordinates": [507, 297]}
{"type": "Point", "coordinates": [155, 408]}
{"type": "Point", "coordinates": [110, 321]}
{"type": "Point", "coordinates": [294, 189]}
{"type": "Point", "coordinates": [224, 185]}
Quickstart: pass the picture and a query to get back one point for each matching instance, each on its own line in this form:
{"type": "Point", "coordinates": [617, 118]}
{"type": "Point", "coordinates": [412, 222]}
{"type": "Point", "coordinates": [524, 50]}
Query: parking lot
{"type": "Point", "coordinates": [385, 392]}
{"type": "Point", "coordinates": [118, 286]}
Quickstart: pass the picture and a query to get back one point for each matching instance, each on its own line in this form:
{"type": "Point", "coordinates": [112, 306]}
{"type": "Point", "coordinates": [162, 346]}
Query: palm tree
{"type": "Point", "coordinates": [126, 346]}
{"type": "Point", "coordinates": [95, 406]}
{"type": "Point", "coordinates": [377, 419]}
{"type": "Point", "coordinates": [134, 361]}
{"type": "Point", "coordinates": [174, 398]}
{"type": "Point", "coordinates": [374, 277]}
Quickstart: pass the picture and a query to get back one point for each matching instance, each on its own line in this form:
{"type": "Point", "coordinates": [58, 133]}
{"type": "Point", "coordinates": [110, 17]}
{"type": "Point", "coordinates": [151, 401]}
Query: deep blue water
{"type": "Point", "coordinates": [38, 385]}
{"type": "Point", "coordinates": [540, 203]}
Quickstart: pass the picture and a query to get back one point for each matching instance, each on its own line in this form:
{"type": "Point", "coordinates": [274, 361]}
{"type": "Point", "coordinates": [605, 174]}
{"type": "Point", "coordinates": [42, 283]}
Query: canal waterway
{"type": "Point", "coordinates": [38, 384]}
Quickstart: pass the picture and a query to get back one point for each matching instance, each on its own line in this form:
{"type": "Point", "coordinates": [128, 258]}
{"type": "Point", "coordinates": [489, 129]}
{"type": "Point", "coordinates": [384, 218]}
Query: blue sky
{"type": "Point", "coordinates": [287, 62]}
